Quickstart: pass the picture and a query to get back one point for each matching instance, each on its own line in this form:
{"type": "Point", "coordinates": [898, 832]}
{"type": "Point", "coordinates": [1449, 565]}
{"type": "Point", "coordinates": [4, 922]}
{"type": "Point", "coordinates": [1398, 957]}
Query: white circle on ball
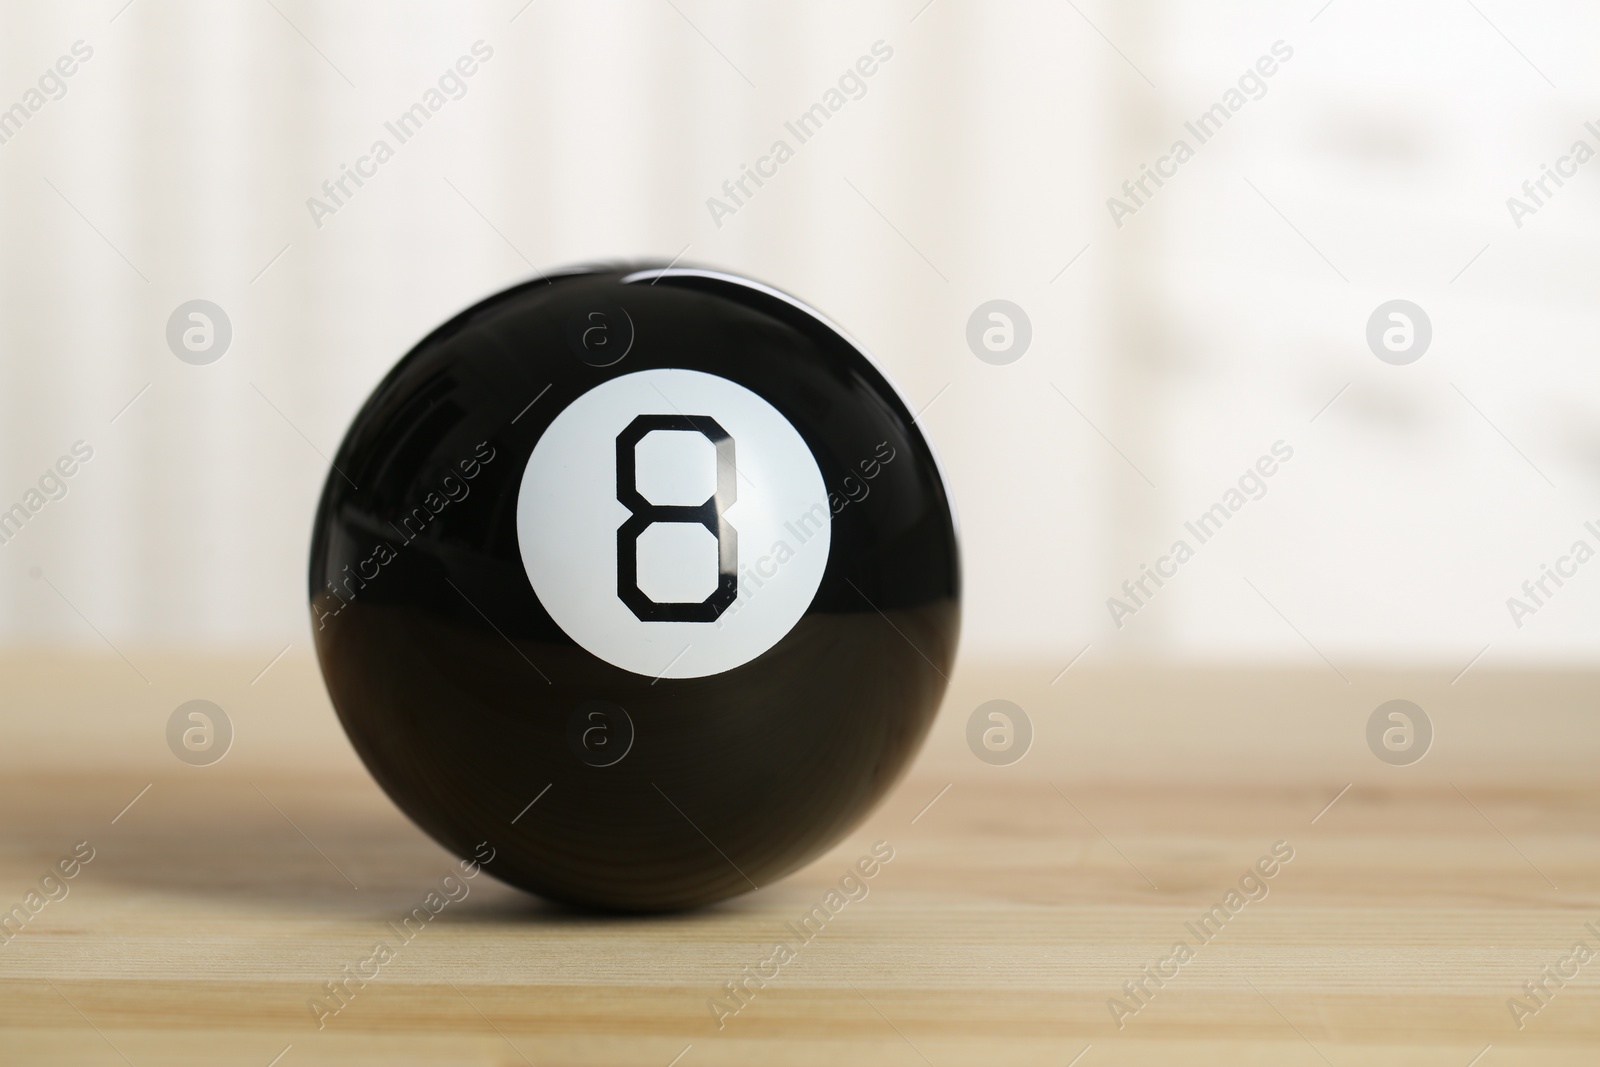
{"type": "Point", "coordinates": [570, 508]}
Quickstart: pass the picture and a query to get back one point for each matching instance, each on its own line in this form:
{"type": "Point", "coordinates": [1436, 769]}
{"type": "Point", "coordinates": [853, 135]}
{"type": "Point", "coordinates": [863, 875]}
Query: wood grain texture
{"type": "Point", "coordinates": [1015, 907]}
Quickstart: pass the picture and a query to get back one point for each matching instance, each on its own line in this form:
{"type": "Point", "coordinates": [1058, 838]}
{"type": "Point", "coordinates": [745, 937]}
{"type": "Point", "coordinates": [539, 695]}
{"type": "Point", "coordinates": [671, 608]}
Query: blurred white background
{"type": "Point", "coordinates": [1227, 314]}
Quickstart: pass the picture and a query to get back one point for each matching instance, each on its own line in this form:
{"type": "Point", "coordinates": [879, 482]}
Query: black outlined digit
{"type": "Point", "coordinates": [644, 514]}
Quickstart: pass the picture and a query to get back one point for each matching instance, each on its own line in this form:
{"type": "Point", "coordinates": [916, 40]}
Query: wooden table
{"type": "Point", "coordinates": [1019, 900]}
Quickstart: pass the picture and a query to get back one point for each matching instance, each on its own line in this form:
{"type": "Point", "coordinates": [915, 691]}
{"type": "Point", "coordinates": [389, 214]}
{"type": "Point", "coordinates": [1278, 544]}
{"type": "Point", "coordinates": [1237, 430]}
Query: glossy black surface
{"type": "Point", "coordinates": [459, 691]}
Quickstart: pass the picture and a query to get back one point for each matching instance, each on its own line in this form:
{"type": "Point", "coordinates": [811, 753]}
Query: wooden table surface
{"type": "Point", "coordinates": [1018, 903]}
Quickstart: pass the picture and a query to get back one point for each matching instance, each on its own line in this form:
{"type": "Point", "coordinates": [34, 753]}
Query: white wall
{"type": "Point", "coordinates": [1193, 337]}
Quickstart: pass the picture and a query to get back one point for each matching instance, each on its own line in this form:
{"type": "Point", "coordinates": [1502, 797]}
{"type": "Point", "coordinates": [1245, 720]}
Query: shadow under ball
{"type": "Point", "coordinates": [641, 581]}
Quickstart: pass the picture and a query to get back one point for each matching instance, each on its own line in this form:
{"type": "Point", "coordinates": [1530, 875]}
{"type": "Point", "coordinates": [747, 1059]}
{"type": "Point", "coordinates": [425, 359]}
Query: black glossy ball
{"type": "Point", "coordinates": [642, 581]}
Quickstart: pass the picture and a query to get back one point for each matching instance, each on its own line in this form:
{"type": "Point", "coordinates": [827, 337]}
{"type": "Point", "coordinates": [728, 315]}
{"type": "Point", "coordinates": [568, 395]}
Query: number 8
{"type": "Point", "coordinates": [645, 515]}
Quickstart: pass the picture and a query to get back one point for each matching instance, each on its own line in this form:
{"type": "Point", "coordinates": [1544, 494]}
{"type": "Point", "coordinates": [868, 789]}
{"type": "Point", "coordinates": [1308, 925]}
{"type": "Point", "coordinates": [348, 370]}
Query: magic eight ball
{"type": "Point", "coordinates": [641, 581]}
